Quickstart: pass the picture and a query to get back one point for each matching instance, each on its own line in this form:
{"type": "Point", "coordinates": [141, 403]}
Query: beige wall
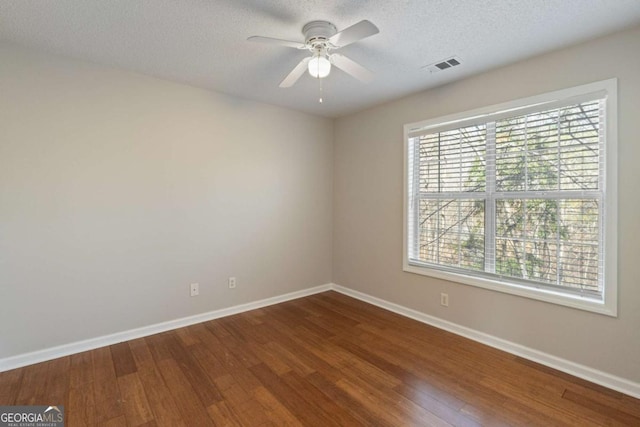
{"type": "Point", "coordinates": [368, 171]}
{"type": "Point", "coordinates": [118, 190]}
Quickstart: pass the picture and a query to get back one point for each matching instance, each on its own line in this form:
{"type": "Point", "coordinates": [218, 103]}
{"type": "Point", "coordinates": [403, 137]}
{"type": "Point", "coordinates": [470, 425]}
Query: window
{"type": "Point", "coordinates": [519, 197]}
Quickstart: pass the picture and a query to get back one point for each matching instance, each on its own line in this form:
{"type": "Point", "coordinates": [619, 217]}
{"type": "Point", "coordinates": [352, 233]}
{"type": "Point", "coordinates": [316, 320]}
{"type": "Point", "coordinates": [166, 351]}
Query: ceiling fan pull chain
{"type": "Point", "coordinates": [320, 87]}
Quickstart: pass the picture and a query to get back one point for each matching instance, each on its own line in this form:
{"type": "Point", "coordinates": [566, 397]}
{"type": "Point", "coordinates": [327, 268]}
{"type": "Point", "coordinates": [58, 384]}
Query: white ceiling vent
{"type": "Point", "coordinates": [446, 64]}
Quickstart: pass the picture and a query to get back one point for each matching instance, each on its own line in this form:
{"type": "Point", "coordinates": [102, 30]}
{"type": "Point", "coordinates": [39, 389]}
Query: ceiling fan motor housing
{"type": "Point", "coordinates": [316, 32]}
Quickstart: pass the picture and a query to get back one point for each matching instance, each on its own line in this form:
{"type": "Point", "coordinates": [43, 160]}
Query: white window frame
{"type": "Point", "coordinates": [609, 302]}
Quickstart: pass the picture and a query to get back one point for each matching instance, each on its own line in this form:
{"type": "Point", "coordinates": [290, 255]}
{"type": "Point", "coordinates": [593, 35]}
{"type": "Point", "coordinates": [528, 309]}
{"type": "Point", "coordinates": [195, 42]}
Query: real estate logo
{"type": "Point", "coordinates": [31, 416]}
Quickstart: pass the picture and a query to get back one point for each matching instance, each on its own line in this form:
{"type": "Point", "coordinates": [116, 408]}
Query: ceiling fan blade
{"type": "Point", "coordinates": [296, 73]}
{"type": "Point", "coordinates": [359, 31]}
{"type": "Point", "coordinates": [352, 68]}
{"type": "Point", "coordinates": [269, 40]}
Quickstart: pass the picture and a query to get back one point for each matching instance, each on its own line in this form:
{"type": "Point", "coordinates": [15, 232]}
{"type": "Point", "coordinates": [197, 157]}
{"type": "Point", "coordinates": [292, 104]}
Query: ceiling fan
{"type": "Point", "coordinates": [321, 38]}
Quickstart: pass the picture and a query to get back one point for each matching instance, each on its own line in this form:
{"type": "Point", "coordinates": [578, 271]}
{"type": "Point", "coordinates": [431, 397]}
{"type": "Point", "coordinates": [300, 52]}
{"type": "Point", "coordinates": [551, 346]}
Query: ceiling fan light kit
{"type": "Point", "coordinates": [319, 66]}
{"type": "Point", "coordinates": [320, 38]}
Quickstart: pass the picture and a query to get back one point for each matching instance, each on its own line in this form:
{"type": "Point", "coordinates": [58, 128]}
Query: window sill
{"type": "Point", "coordinates": [573, 301]}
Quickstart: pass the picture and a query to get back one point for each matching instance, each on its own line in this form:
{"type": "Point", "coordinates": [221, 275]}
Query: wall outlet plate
{"type": "Point", "coordinates": [194, 289]}
{"type": "Point", "coordinates": [444, 300]}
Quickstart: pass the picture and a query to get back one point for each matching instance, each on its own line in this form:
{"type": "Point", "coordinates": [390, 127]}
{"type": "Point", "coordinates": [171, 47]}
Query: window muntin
{"type": "Point", "coordinates": [513, 197]}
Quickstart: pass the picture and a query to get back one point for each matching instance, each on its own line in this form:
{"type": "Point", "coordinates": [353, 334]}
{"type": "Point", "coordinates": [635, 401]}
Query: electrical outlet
{"type": "Point", "coordinates": [444, 300]}
{"type": "Point", "coordinates": [232, 282]}
{"type": "Point", "coordinates": [195, 289]}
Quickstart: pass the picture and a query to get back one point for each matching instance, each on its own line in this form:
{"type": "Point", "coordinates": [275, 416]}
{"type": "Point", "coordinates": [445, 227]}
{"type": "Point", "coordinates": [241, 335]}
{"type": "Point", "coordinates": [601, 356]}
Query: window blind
{"type": "Point", "coordinates": [517, 196]}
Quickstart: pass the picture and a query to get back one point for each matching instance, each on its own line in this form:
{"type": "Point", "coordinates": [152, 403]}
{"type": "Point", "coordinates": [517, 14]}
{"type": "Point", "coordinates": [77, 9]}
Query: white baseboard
{"type": "Point", "coordinates": [43, 355]}
{"type": "Point", "coordinates": [581, 371]}
{"type": "Point", "coordinates": [599, 377]}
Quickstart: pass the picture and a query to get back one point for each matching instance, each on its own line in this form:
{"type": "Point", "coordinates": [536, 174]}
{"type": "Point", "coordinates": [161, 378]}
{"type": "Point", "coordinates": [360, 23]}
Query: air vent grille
{"type": "Point", "coordinates": [454, 61]}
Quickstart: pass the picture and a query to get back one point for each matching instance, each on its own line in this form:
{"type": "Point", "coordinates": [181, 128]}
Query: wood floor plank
{"type": "Point", "coordinates": [32, 387]}
{"type": "Point", "coordinates": [236, 343]}
{"type": "Point", "coordinates": [187, 338]}
{"type": "Point", "coordinates": [548, 408]}
{"type": "Point", "coordinates": [344, 399]}
{"type": "Point", "coordinates": [159, 396]}
{"type": "Point", "coordinates": [315, 396]}
{"type": "Point", "coordinates": [326, 359]}
{"type": "Point", "coordinates": [81, 408]}
{"type": "Point", "coordinates": [624, 417]}
{"type": "Point", "coordinates": [282, 315]}
{"type": "Point", "coordinates": [616, 401]}
{"type": "Point", "coordinates": [307, 413]}
{"type": "Point", "coordinates": [187, 401]}
{"type": "Point", "coordinates": [255, 317]}
{"type": "Point", "coordinates": [409, 378]}
{"type": "Point", "coordinates": [217, 347]}
{"type": "Point", "coordinates": [336, 323]}
{"type": "Point", "coordinates": [81, 370]}
{"type": "Point", "coordinates": [433, 405]}
{"type": "Point", "coordinates": [492, 416]}
{"type": "Point", "coordinates": [141, 354]}
{"type": "Point", "coordinates": [212, 367]}
{"type": "Point", "coordinates": [107, 399]}
{"type": "Point", "coordinates": [463, 385]}
{"type": "Point", "coordinates": [270, 358]}
{"type": "Point", "coordinates": [309, 307]}
{"type": "Point", "coordinates": [522, 414]}
{"type": "Point", "coordinates": [356, 310]}
{"type": "Point", "coordinates": [378, 403]}
{"type": "Point", "coordinates": [158, 345]}
{"type": "Point", "coordinates": [246, 409]}
{"type": "Point", "coordinates": [276, 411]}
{"type": "Point", "coordinates": [301, 342]}
{"type": "Point", "coordinates": [122, 359]}
{"type": "Point", "coordinates": [204, 388]}
{"type": "Point", "coordinates": [57, 382]}
{"type": "Point", "coordinates": [292, 359]}
{"type": "Point", "coordinates": [134, 400]}
{"type": "Point", "coordinates": [118, 421]}
{"type": "Point", "coordinates": [160, 399]}
{"type": "Point", "coordinates": [235, 326]}
{"type": "Point", "coordinates": [570, 379]}
{"type": "Point", "coordinates": [227, 359]}
{"type": "Point", "coordinates": [10, 382]}
{"type": "Point", "coordinates": [222, 415]}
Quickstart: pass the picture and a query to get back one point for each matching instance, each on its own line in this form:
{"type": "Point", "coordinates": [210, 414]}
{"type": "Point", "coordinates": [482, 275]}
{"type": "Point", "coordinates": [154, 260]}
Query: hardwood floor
{"type": "Point", "coordinates": [323, 360]}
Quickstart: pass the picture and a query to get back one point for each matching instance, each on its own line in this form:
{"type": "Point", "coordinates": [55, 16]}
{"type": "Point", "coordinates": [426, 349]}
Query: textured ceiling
{"type": "Point", "coordinates": [203, 42]}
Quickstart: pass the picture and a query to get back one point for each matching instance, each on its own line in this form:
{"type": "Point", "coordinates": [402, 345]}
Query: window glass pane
{"type": "Point", "coordinates": [511, 143]}
{"type": "Point", "coordinates": [550, 150]}
{"type": "Point", "coordinates": [526, 239]}
{"type": "Point", "coordinates": [527, 152]}
{"type": "Point", "coordinates": [510, 171]}
{"type": "Point", "coordinates": [549, 241]}
{"type": "Point", "coordinates": [524, 259]}
{"type": "Point", "coordinates": [579, 165]}
{"type": "Point", "coordinates": [580, 146]}
{"type": "Point", "coordinates": [542, 170]}
{"type": "Point", "coordinates": [579, 249]}
{"type": "Point", "coordinates": [453, 161]}
{"type": "Point", "coordinates": [452, 232]}
{"type": "Point", "coordinates": [579, 266]}
{"type": "Point", "coordinates": [509, 218]}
